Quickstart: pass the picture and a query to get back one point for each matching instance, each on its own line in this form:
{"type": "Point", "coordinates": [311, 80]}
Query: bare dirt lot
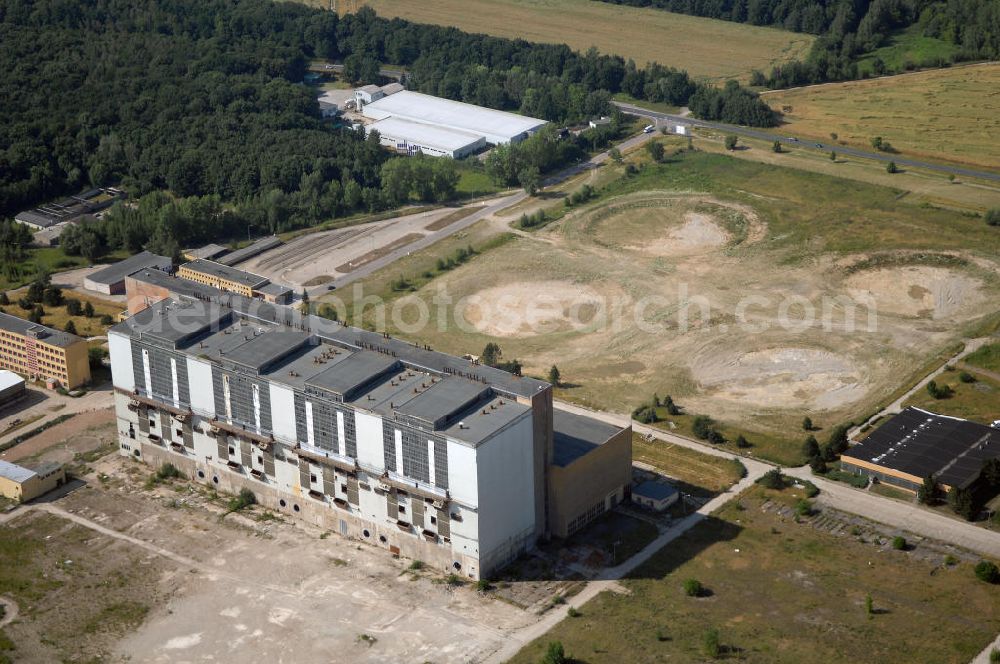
{"type": "Point", "coordinates": [749, 293]}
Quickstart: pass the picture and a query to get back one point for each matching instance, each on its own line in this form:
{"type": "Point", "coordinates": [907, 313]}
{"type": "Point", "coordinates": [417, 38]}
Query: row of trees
{"type": "Point", "coordinates": [849, 28]}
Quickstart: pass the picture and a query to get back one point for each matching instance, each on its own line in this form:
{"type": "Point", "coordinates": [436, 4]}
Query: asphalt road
{"type": "Point", "coordinates": [901, 161]}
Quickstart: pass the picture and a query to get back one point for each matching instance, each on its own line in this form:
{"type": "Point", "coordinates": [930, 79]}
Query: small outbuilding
{"type": "Point", "coordinates": [656, 496]}
{"type": "Point", "coordinates": [23, 484]}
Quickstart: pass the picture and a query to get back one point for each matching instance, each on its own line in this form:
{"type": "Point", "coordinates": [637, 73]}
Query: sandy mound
{"type": "Point", "coordinates": [782, 378]}
{"type": "Point", "coordinates": [699, 233]}
{"type": "Point", "coordinates": [915, 290]}
{"type": "Point", "coordinates": [532, 307]}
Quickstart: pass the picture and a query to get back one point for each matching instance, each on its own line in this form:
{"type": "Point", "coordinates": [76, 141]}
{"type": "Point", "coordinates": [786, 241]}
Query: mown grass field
{"type": "Point", "coordinates": [783, 592]}
{"type": "Point", "coordinates": [907, 48]}
{"type": "Point", "coordinates": [706, 48]}
{"type": "Point", "coordinates": [701, 474]}
{"type": "Point", "coordinates": [978, 401]}
{"type": "Point", "coordinates": [941, 115]}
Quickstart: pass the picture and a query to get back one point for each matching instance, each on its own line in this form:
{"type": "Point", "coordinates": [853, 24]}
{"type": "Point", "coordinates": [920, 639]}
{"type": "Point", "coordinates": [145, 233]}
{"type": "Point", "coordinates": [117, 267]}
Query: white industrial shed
{"type": "Point", "coordinates": [495, 127]}
{"type": "Point", "coordinates": [432, 140]}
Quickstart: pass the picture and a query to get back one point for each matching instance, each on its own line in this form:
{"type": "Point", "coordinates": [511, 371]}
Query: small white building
{"type": "Point", "coordinates": [368, 94]}
{"type": "Point", "coordinates": [655, 495]}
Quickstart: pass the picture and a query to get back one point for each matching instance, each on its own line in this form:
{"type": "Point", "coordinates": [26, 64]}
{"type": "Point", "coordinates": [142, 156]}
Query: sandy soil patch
{"type": "Point", "coordinates": [533, 307]}
{"type": "Point", "coordinates": [917, 291]}
{"type": "Point", "coordinates": [782, 377]}
{"type": "Point", "coordinates": [698, 234]}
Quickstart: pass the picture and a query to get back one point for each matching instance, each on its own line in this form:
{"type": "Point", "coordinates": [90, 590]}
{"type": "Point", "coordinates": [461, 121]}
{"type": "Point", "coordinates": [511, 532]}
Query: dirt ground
{"type": "Point", "coordinates": [686, 294]}
{"type": "Point", "coordinates": [316, 258]}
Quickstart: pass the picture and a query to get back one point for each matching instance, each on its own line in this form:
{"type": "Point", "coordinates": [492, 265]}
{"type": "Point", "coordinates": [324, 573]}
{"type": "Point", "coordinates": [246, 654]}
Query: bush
{"type": "Point", "coordinates": [803, 507]}
{"type": "Point", "coordinates": [810, 447]}
{"type": "Point", "coordinates": [73, 307]}
{"type": "Point", "coordinates": [994, 656]}
{"type": "Point", "coordinates": [818, 465]}
{"type": "Point", "coordinates": [742, 442]}
{"type": "Point", "coordinates": [938, 391]}
{"type": "Point", "coordinates": [702, 426]}
{"type": "Point", "coordinates": [710, 644]}
{"type": "Point", "coordinates": [987, 572]}
{"type": "Point", "coordinates": [807, 423]}
{"type": "Point", "coordinates": [966, 377]}
{"type": "Point", "coordinates": [731, 141]}
{"type": "Point", "coordinates": [811, 489]}
{"type": "Point", "coordinates": [693, 588]}
{"type": "Point", "coordinates": [554, 654]}
{"type": "Point", "coordinates": [573, 612]}
{"type": "Point", "coordinates": [167, 471]}
{"type": "Point", "coordinates": [107, 319]}
{"type": "Point", "coordinates": [715, 437]}
{"type": "Point", "coordinates": [993, 217]}
{"type": "Point", "coordinates": [772, 479]}
{"type": "Point", "coordinates": [483, 585]}
{"type": "Point", "coordinates": [891, 167]}
{"type": "Point", "coordinates": [899, 543]}
{"type": "Point", "coordinates": [417, 565]}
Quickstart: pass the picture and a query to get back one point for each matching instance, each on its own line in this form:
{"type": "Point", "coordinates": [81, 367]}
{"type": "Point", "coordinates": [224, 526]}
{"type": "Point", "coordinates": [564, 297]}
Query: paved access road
{"type": "Point", "coordinates": [791, 141]}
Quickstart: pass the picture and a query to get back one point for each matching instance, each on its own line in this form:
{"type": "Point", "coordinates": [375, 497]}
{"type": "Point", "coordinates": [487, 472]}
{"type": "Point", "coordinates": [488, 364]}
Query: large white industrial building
{"type": "Point", "coordinates": [426, 454]}
{"type": "Point", "coordinates": [411, 121]}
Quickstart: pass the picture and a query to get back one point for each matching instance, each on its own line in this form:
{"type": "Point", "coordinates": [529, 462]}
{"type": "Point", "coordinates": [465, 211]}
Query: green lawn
{"type": "Point", "coordinates": [50, 260]}
{"type": "Point", "coordinates": [978, 401]}
{"type": "Point", "coordinates": [699, 474]}
{"type": "Point", "coordinates": [782, 592]}
{"type": "Point", "coordinates": [907, 49]}
{"type": "Point", "coordinates": [987, 357]}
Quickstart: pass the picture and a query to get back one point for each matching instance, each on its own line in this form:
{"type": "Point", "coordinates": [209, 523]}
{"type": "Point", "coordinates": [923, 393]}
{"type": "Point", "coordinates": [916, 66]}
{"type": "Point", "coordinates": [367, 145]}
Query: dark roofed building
{"type": "Point", "coordinates": [111, 280]}
{"type": "Point", "coordinates": [917, 443]}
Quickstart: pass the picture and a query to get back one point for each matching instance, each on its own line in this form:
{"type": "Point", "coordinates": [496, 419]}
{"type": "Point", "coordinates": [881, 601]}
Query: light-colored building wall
{"type": "Point", "coordinates": [26, 355]}
{"type": "Point", "coordinates": [34, 486]}
{"type": "Point", "coordinates": [186, 272]}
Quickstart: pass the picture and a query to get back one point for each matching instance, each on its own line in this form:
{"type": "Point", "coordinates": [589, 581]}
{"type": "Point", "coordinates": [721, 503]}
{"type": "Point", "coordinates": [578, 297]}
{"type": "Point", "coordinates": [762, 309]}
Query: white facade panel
{"type": "Point", "coordinates": [506, 485]}
{"type": "Point", "coordinates": [200, 387]}
{"type": "Point", "coordinates": [122, 372]}
{"type": "Point", "coordinates": [462, 476]}
{"type": "Point", "coordinates": [371, 453]}
{"type": "Point", "coordinates": [282, 413]}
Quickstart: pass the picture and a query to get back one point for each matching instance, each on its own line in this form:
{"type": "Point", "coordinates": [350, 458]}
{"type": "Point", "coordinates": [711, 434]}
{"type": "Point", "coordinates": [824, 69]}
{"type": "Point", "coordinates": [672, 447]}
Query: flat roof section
{"type": "Point", "coordinates": [267, 348]}
{"type": "Point", "coordinates": [117, 272]}
{"type": "Point", "coordinates": [347, 377]}
{"type": "Point", "coordinates": [442, 139]}
{"type": "Point", "coordinates": [452, 114]}
{"type": "Point", "coordinates": [9, 379]}
{"type": "Point", "coordinates": [226, 272]}
{"type": "Point", "coordinates": [921, 443]}
{"type": "Point", "coordinates": [209, 251]}
{"type": "Point", "coordinates": [574, 436]}
{"type": "Point", "coordinates": [251, 250]}
{"type": "Point", "coordinates": [654, 490]}
{"type": "Point", "coordinates": [444, 401]}
{"type": "Point", "coordinates": [174, 322]}
{"type": "Point", "coordinates": [51, 336]}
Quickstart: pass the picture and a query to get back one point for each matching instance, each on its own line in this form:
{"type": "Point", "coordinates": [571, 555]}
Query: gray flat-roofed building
{"type": "Point", "coordinates": [251, 250]}
{"type": "Point", "coordinates": [70, 209]}
{"type": "Point", "coordinates": [442, 402]}
{"type": "Point", "coordinates": [576, 435]}
{"type": "Point", "coordinates": [350, 375]}
{"type": "Point", "coordinates": [50, 335]}
{"type": "Point", "coordinates": [208, 252]}
{"type": "Point", "coordinates": [266, 349]}
{"type": "Point", "coordinates": [657, 496]}
{"type": "Point", "coordinates": [277, 293]}
{"type": "Point", "coordinates": [111, 280]}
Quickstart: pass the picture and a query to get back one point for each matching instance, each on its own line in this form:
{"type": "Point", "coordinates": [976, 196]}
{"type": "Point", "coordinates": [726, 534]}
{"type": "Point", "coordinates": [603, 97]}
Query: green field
{"type": "Point", "coordinates": [907, 49]}
{"type": "Point", "coordinates": [987, 357]}
{"type": "Point", "coordinates": [706, 48]}
{"type": "Point", "coordinates": [940, 115]}
{"type": "Point", "coordinates": [783, 592]}
{"type": "Point", "coordinates": [725, 230]}
{"type": "Point", "coordinates": [978, 401]}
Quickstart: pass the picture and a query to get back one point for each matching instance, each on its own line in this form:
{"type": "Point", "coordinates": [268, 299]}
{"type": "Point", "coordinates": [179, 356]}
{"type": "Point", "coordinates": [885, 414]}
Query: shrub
{"type": "Point", "coordinates": [710, 644]}
{"type": "Point", "coordinates": [891, 167]}
{"type": "Point", "coordinates": [73, 307]}
{"type": "Point", "coordinates": [554, 654]}
{"type": "Point", "coordinates": [715, 437]}
{"type": "Point", "coordinates": [966, 377]}
{"type": "Point", "coordinates": [693, 588]}
{"type": "Point", "coordinates": [928, 493]}
{"type": "Point", "coordinates": [483, 585]}
{"type": "Point", "coordinates": [731, 141]}
{"type": "Point", "coordinates": [772, 479]}
{"type": "Point", "coordinates": [938, 391]}
{"type": "Point", "coordinates": [742, 442]}
{"type": "Point", "coordinates": [107, 319]}
{"type": "Point", "coordinates": [811, 490]}
{"type": "Point", "coordinates": [807, 423]}
{"type": "Point", "coordinates": [993, 217]}
{"type": "Point", "coordinates": [961, 502]}
{"type": "Point", "coordinates": [573, 612]}
{"type": "Point", "coordinates": [167, 471]}
{"type": "Point", "coordinates": [987, 572]}
{"type": "Point", "coordinates": [869, 606]}
{"type": "Point", "coordinates": [702, 426]}
{"type": "Point", "coordinates": [950, 560]}
{"type": "Point", "coordinates": [803, 507]}
{"type": "Point", "coordinates": [810, 447]}
{"type": "Point", "coordinates": [818, 465]}
{"type": "Point", "coordinates": [994, 656]}
{"type": "Point", "coordinates": [899, 543]}
{"type": "Point", "coordinates": [417, 565]}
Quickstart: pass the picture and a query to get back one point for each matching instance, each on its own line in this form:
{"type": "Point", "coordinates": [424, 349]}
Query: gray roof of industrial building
{"type": "Point", "coordinates": [116, 272]}
{"type": "Point", "coordinates": [424, 134]}
{"type": "Point", "coordinates": [340, 335]}
{"type": "Point", "coordinates": [226, 272]}
{"type": "Point", "coordinates": [444, 401]}
{"type": "Point", "coordinates": [275, 289]}
{"type": "Point", "coordinates": [921, 443]}
{"type": "Point", "coordinates": [14, 472]}
{"type": "Point", "coordinates": [576, 435]}
{"type": "Point", "coordinates": [392, 88]}
{"type": "Point", "coordinates": [42, 219]}
{"type": "Point", "coordinates": [267, 349]}
{"type": "Point", "coordinates": [251, 250]}
{"type": "Point", "coordinates": [48, 335]}
{"type": "Point", "coordinates": [654, 490]}
{"type": "Point", "coordinates": [353, 372]}
{"type": "Point", "coordinates": [209, 251]}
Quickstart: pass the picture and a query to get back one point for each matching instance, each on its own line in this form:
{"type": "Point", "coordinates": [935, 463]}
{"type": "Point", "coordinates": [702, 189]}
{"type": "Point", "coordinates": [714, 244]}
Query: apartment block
{"type": "Point", "coordinates": [428, 455]}
{"type": "Point", "coordinates": [38, 351]}
{"type": "Point", "coordinates": [234, 280]}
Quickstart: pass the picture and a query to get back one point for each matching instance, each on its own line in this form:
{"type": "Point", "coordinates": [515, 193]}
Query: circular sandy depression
{"type": "Point", "coordinates": [698, 233]}
{"type": "Point", "coordinates": [781, 378]}
{"type": "Point", "coordinates": [916, 290]}
{"type": "Point", "coordinates": [533, 307]}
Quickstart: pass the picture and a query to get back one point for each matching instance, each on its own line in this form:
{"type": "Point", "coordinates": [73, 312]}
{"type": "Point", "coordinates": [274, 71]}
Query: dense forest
{"type": "Point", "coordinates": [850, 28]}
{"type": "Point", "coordinates": [204, 99]}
